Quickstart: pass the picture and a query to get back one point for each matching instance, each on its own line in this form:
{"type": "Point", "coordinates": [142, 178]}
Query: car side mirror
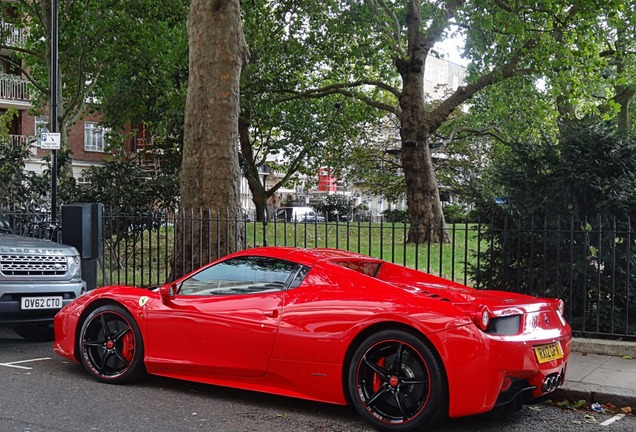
{"type": "Point", "coordinates": [168, 292]}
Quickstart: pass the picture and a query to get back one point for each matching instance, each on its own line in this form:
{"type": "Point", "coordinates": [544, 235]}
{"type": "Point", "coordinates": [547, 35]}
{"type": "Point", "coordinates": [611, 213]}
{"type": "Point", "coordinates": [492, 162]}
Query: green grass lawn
{"type": "Point", "coordinates": [146, 258]}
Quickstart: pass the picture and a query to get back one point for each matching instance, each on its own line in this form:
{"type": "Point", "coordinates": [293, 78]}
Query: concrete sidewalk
{"type": "Point", "coordinates": [601, 371]}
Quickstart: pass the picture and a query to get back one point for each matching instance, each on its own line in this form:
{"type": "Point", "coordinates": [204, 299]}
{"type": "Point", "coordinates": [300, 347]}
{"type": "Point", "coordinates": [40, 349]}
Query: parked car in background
{"type": "Point", "coordinates": [37, 278]}
{"type": "Point", "coordinates": [246, 215]}
{"type": "Point", "coordinates": [404, 347]}
{"type": "Point", "coordinates": [298, 214]}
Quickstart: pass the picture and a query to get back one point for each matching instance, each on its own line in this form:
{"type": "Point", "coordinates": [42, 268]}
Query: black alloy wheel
{"type": "Point", "coordinates": [110, 345]}
{"type": "Point", "coordinates": [396, 383]}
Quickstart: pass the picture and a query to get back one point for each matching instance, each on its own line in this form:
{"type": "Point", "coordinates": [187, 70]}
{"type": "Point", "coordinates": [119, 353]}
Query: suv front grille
{"type": "Point", "coordinates": [32, 265]}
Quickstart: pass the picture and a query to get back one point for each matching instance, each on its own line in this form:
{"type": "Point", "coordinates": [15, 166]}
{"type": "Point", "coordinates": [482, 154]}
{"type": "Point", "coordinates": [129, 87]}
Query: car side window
{"type": "Point", "coordinates": [299, 276]}
{"type": "Point", "coordinates": [243, 275]}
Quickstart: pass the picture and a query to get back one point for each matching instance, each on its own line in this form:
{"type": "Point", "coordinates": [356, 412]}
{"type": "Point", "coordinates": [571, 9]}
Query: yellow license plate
{"type": "Point", "coordinates": [546, 353]}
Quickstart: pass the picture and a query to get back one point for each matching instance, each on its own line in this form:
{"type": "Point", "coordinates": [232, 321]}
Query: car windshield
{"type": "Point", "coordinates": [243, 275]}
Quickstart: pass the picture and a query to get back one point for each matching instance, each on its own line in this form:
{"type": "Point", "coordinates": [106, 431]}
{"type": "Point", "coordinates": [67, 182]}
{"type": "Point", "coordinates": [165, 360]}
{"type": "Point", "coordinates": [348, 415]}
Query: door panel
{"type": "Point", "coordinates": [223, 320]}
{"type": "Point", "coordinates": [224, 335]}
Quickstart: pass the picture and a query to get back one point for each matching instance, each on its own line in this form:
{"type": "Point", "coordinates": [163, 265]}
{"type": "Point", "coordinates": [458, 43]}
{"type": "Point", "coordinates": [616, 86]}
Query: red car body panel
{"type": "Point", "coordinates": [296, 342]}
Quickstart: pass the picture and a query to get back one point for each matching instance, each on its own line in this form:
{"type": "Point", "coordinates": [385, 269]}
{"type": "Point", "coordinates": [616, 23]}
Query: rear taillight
{"type": "Point", "coordinates": [480, 316]}
{"type": "Point", "coordinates": [561, 308]}
{"type": "Point", "coordinates": [484, 319]}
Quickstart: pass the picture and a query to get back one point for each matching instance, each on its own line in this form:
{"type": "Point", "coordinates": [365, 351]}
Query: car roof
{"type": "Point", "coordinates": [303, 256]}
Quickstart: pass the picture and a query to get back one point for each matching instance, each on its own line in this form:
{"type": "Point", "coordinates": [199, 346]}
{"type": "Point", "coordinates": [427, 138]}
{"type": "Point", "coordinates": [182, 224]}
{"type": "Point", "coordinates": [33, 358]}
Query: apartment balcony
{"type": "Point", "coordinates": [149, 157]}
{"type": "Point", "coordinates": [20, 141]}
{"type": "Point", "coordinates": [15, 92]}
{"type": "Point", "coordinates": [12, 35]}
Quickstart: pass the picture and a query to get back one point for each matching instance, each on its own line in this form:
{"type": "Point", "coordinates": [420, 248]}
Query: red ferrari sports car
{"type": "Point", "coordinates": [404, 347]}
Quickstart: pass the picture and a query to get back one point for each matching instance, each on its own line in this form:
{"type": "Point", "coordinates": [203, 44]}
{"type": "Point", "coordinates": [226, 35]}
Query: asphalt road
{"type": "Point", "coordinates": [41, 392]}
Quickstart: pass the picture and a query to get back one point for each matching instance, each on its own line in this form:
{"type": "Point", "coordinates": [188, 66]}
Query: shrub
{"type": "Point", "coordinates": [565, 226]}
{"type": "Point", "coordinates": [400, 216]}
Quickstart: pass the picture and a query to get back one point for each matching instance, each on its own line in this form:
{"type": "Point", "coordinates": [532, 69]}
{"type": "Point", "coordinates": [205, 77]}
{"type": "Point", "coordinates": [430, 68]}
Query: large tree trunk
{"type": "Point", "coordinates": [422, 191]}
{"type": "Point", "coordinates": [422, 195]}
{"type": "Point", "coordinates": [210, 174]}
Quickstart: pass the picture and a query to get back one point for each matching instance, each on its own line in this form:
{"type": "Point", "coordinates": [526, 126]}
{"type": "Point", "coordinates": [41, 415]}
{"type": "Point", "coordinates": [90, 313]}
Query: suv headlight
{"type": "Point", "coordinates": [74, 266]}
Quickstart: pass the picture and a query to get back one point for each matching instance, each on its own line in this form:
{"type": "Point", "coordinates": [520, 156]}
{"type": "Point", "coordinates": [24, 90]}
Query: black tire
{"type": "Point", "coordinates": [36, 332]}
{"type": "Point", "coordinates": [396, 383]}
{"type": "Point", "coordinates": [110, 345]}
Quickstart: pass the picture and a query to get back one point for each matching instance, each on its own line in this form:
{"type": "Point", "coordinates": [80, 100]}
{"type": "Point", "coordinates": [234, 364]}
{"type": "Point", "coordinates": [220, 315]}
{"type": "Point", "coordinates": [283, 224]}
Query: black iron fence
{"type": "Point", "coordinates": [590, 264]}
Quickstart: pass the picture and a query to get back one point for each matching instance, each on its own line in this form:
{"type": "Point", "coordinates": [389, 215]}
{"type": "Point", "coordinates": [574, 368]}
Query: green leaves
{"type": "Point", "coordinates": [123, 184]}
{"type": "Point", "coordinates": [17, 186]}
{"type": "Point", "coordinates": [293, 48]}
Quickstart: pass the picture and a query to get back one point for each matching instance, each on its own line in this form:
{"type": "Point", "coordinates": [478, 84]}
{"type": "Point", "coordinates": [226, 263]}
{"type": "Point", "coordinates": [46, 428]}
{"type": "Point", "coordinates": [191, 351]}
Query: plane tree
{"type": "Point", "coordinates": [384, 46]}
{"type": "Point", "coordinates": [291, 136]}
{"type": "Point", "coordinates": [146, 83]}
{"type": "Point", "coordinates": [210, 173]}
{"type": "Point", "coordinates": [591, 83]}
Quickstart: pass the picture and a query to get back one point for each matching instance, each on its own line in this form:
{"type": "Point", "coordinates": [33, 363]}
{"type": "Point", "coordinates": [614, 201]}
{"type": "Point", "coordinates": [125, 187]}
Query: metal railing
{"type": "Point", "coordinates": [12, 35]}
{"type": "Point", "coordinates": [14, 88]}
{"type": "Point", "coordinates": [29, 223]}
{"type": "Point", "coordinates": [18, 140]}
{"type": "Point", "coordinates": [591, 265]}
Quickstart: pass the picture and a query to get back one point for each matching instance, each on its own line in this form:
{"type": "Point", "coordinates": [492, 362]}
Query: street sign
{"type": "Point", "coordinates": [50, 141]}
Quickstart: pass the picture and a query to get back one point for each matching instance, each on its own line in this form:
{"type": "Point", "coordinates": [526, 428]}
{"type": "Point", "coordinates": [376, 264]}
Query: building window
{"type": "Point", "coordinates": [428, 72]}
{"type": "Point", "coordinates": [82, 181]}
{"type": "Point", "coordinates": [41, 126]}
{"type": "Point", "coordinates": [455, 82]}
{"type": "Point", "coordinates": [94, 137]}
{"type": "Point", "coordinates": [442, 76]}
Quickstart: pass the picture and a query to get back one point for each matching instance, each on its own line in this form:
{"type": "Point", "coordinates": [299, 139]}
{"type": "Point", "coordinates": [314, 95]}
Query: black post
{"type": "Point", "coordinates": [53, 83]}
{"type": "Point", "coordinates": [83, 229]}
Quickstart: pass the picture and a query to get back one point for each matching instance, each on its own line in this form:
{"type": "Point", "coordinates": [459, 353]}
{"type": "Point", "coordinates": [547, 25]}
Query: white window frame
{"type": "Point", "coordinates": [82, 181]}
{"type": "Point", "coordinates": [428, 72]}
{"type": "Point", "coordinates": [94, 137]}
{"type": "Point", "coordinates": [441, 74]}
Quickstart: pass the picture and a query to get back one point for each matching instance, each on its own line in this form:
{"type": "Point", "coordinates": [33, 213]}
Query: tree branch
{"type": "Point", "coordinates": [464, 93]}
{"type": "Point", "coordinates": [25, 73]}
{"type": "Point", "coordinates": [394, 35]}
{"type": "Point", "coordinates": [290, 172]}
{"type": "Point", "coordinates": [33, 11]}
{"type": "Point", "coordinates": [19, 49]}
{"type": "Point", "coordinates": [503, 5]}
{"type": "Point", "coordinates": [489, 130]}
{"type": "Point", "coordinates": [440, 23]}
{"type": "Point", "coordinates": [343, 89]}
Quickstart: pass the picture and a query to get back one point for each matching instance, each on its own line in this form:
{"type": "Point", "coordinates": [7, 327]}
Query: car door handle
{"type": "Point", "coordinates": [271, 314]}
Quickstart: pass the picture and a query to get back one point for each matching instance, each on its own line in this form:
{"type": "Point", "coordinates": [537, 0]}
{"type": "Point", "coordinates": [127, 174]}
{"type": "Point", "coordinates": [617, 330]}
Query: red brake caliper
{"type": "Point", "coordinates": [128, 346]}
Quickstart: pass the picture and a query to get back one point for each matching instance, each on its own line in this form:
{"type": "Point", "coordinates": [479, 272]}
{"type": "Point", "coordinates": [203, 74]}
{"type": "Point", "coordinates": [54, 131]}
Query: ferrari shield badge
{"type": "Point", "coordinates": [143, 300]}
